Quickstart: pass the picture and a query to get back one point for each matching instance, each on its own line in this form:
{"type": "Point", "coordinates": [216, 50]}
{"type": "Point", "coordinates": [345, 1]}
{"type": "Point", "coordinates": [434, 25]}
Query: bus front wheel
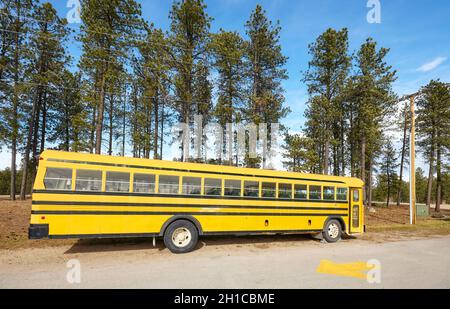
{"type": "Point", "coordinates": [332, 231]}
{"type": "Point", "coordinates": [181, 237]}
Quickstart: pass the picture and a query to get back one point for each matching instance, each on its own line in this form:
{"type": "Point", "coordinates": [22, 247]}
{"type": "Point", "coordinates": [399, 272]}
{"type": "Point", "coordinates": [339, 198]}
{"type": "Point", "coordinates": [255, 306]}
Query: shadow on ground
{"type": "Point", "coordinates": [131, 244]}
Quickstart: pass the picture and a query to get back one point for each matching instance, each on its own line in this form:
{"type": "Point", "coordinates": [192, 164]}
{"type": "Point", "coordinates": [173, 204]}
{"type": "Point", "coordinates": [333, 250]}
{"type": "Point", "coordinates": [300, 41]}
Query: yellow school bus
{"type": "Point", "coordinates": [93, 196]}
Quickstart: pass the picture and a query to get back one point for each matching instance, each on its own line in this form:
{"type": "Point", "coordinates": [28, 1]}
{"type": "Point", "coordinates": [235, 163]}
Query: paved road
{"type": "Point", "coordinates": [230, 263]}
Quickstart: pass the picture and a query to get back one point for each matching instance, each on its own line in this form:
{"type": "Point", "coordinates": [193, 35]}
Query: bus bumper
{"type": "Point", "coordinates": [38, 231]}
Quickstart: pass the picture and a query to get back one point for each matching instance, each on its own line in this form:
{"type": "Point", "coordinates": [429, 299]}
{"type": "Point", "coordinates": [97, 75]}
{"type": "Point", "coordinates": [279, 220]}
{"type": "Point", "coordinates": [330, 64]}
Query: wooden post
{"type": "Point", "coordinates": [412, 198]}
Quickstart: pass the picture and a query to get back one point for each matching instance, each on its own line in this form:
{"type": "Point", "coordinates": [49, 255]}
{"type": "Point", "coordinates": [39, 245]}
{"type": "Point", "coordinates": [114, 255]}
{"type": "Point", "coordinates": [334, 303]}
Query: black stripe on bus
{"type": "Point", "coordinates": [208, 197]}
{"type": "Point", "coordinates": [188, 171]}
{"type": "Point", "coordinates": [103, 236]}
{"type": "Point", "coordinates": [221, 214]}
{"type": "Point", "coordinates": [147, 235]}
{"type": "Point", "coordinates": [249, 233]}
{"type": "Point", "coordinates": [106, 204]}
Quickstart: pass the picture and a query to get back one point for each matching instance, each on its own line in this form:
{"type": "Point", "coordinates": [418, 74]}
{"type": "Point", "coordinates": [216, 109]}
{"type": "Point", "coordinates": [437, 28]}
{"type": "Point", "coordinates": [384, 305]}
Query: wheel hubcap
{"type": "Point", "coordinates": [333, 230]}
{"type": "Point", "coordinates": [181, 237]}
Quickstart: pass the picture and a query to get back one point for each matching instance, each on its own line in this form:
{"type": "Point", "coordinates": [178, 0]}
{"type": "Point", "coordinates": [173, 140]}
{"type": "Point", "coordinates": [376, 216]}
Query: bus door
{"type": "Point", "coordinates": [356, 216]}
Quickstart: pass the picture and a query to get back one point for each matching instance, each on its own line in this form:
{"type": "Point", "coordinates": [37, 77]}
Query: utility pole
{"type": "Point", "coordinates": [412, 195]}
{"type": "Point", "coordinates": [412, 167]}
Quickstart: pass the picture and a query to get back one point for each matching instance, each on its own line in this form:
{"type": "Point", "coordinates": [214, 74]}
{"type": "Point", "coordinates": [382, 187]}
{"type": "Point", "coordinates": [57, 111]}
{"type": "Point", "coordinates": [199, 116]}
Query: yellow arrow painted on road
{"type": "Point", "coordinates": [354, 270]}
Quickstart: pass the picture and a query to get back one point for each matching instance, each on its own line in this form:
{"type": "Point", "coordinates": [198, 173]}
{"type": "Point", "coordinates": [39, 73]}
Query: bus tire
{"type": "Point", "coordinates": [332, 231]}
{"type": "Point", "coordinates": [181, 237]}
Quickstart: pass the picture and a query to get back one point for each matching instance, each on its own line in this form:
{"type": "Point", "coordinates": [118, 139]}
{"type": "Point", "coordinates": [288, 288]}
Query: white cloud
{"type": "Point", "coordinates": [429, 66]}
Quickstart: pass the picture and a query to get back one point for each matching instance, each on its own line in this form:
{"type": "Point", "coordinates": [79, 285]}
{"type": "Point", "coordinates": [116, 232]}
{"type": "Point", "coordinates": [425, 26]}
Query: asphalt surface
{"type": "Point", "coordinates": [230, 263]}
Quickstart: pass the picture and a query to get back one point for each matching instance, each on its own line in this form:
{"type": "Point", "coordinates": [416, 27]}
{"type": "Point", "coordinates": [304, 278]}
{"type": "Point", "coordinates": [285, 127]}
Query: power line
{"type": "Point", "coordinates": [171, 98]}
{"type": "Point", "coordinates": [206, 64]}
{"type": "Point", "coordinates": [132, 39]}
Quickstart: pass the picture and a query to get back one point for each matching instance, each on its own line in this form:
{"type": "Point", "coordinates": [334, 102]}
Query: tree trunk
{"type": "Point", "coordinates": [363, 165]}
{"type": "Point", "coordinates": [342, 148]}
{"type": "Point", "coordinates": [430, 174]}
{"type": "Point", "coordinates": [100, 112]}
{"type": "Point", "coordinates": [44, 123]}
{"type": "Point", "coordinates": [15, 107]}
{"type": "Point", "coordinates": [110, 144]}
{"type": "Point", "coordinates": [92, 133]}
{"type": "Point", "coordinates": [334, 173]}
{"type": "Point", "coordinates": [161, 141]}
{"type": "Point", "coordinates": [67, 125]}
{"type": "Point", "coordinates": [439, 179]}
{"type": "Point", "coordinates": [26, 157]}
{"type": "Point", "coordinates": [430, 185]}
{"type": "Point", "coordinates": [370, 181]}
{"type": "Point", "coordinates": [326, 157]}
{"type": "Point", "coordinates": [34, 150]}
{"type": "Point", "coordinates": [351, 141]}
{"type": "Point", "coordinates": [14, 148]}
{"type": "Point", "coordinates": [388, 189]}
{"type": "Point", "coordinates": [124, 124]}
{"type": "Point", "coordinates": [156, 131]}
{"type": "Point", "coordinates": [400, 183]}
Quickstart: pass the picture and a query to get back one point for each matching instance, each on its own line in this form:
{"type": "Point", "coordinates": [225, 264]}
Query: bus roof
{"type": "Point", "coordinates": [75, 157]}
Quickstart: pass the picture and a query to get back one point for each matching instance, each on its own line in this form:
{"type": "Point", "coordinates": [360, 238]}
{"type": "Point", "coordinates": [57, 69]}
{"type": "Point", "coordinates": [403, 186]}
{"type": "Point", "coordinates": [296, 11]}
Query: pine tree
{"type": "Point", "coordinates": [14, 86]}
{"type": "Point", "coordinates": [189, 38]}
{"type": "Point", "coordinates": [265, 73]}
{"type": "Point", "coordinates": [47, 62]}
{"type": "Point", "coordinates": [71, 128]}
{"type": "Point", "coordinates": [389, 166]}
{"type": "Point", "coordinates": [153, 70]}
{"type": "Point", "coordinates": [373, 101]}
{"type": "Point", "coordinates": [326, 77]}
{"type": "Point", "coordinates": [203, 105]}
{"type": "Point", "coordinates": [109, 30]}
{"type": "Point", "coordinates": [433, 121]}
{"type": "Point", "coordinates": [300, 154]}
{"type": "Point", "coordinates": [404, 125]}
{"type": "Point", "coordinates": [229, 62]}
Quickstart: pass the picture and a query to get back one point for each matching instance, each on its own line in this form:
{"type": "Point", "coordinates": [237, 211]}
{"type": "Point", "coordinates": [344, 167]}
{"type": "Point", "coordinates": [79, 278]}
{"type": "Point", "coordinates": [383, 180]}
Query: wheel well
{"type": "Point", "coordinates": [178, 218]}
{"type": "Point", "coordinates": [341, 221]}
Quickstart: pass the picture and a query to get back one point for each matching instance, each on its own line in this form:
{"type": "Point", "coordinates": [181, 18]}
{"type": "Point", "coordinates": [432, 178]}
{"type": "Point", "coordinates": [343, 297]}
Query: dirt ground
{"type": "Point", "coordinates": [386, 224]}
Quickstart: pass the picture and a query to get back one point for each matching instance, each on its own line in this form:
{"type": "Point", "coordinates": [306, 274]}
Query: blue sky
{"type": "Point", "coordinates": [415, 31]}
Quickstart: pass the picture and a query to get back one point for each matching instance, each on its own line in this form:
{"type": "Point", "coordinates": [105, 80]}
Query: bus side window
{"type": "Point", "coordinates": [192, 186]}
{"type": "Point", "coordinates": [285, 191]}
{"type": "Point", "coordinates": [117, 182]}
{"type": "Point", "coordinates": [232, 187]}
{"type": "Point", "coordinates": [251, 189]}
{"type": "Point", "coordinates": [213, 187]}
{"type": "Point", "coordinates": [301, 192]}
{"type": "Point", "coordinates": [58, 179]}
{"type": "Point", "coordinates": [269, 190]}
{"type": "Point", "coordinates": [356, 196]}
{"type": "Point", "coordinates": [328, 193]}
{"type": "Point", "coordinates": [88, 180]}
{"type": "Point", "coordinates": [315, 192]}
{"type": "Point", "coordinates": [169, 184]}
{"type": "Point", "coordinates": [144, 183]}
{"type": "Point", "coordinates": [341, 194]}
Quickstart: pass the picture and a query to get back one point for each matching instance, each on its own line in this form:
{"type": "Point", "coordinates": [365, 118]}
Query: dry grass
{"type": "Point", "coordinates": [384, 225]}
{"type": "Point", "coordinates": [14, 222]}
{"type": "Point", "coordinates": [393, 224]}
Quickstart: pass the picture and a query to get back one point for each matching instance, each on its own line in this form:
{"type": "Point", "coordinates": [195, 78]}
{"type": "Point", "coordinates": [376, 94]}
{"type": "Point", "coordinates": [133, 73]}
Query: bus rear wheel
{"type": "Point", "coordinates": [181, 237]}
{"type": "Point", "coordinates": [332, 231]}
